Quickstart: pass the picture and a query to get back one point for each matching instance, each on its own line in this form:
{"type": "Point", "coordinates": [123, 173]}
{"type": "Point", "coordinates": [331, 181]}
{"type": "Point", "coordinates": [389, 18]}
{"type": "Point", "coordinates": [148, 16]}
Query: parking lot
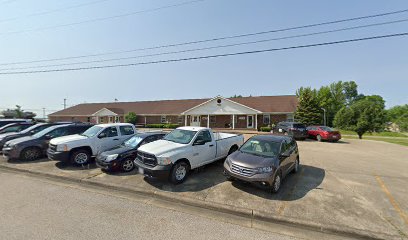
{"type": "Point", "coordinates": [355, 185]}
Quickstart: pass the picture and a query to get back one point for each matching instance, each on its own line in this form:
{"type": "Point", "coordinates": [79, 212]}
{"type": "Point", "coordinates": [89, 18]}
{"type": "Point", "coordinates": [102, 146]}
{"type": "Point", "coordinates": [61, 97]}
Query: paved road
{"type": "Point", "coordinates": [33, 208]}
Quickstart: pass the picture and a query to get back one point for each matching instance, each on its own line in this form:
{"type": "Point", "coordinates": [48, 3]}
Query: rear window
{"type": "Point", "coordinates": [299, 125]}
{"type": "Point", "coordinates": [126, 130]}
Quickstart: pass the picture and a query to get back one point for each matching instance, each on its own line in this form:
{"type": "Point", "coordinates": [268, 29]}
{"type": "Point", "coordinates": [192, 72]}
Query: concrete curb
{"type": "Point", "coordinates": [253, 215]}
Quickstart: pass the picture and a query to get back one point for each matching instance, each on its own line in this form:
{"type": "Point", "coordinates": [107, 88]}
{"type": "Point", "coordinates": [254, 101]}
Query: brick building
{"type": "Point", "coordinates": [218, 112]}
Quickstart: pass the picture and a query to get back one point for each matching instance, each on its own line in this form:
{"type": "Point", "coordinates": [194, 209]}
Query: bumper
{"type": "Point", "coordinates": [10, 153]}
{"type": "Point", "coordinates": [264, 179]}
{"type": "Point", "coordinates": [333, 137]}
{"type": "Point", "coordinates": [107, 165]}
{"type": "Point", "coordinates": [58, 156]}
{"type": "Point", "coordinates": [160, 172]}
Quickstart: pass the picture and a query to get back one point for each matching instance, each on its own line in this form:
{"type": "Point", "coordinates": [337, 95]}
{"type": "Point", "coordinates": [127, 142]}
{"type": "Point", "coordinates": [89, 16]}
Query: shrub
{"type": "Point", "coordinates": [160, 125]}
{"type": "Point", "coordinates": [265, 129]}
{"type": "Point", "coordinates": [171, 125]}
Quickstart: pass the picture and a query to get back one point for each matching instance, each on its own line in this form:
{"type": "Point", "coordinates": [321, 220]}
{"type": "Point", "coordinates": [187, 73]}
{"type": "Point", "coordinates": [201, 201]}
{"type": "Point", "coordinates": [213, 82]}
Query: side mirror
{"type": "Point", "coordinates": [48, 137]}
{"type": "Point", "coordinates": [32, 132]}
{"type": "Point", "coordinates": [102, 135]}
{"type": "Point", "coordinates": [199, 142]}
{"type": "Point", "coordinates": [284, 155]}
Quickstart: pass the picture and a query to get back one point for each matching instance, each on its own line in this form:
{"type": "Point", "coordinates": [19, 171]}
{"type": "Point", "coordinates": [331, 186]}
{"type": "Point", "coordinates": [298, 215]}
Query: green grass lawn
{"type": "Point", "coordinates": [381, 134]}
{"type": "Point", "coordinates": [400, 141]}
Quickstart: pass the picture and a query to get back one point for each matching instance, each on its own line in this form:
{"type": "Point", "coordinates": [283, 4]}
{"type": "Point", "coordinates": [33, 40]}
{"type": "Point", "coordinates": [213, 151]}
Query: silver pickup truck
{"type": "Point", "coordinates": [184, 149]}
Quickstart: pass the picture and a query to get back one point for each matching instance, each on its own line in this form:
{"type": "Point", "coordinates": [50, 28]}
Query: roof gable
{"type": "Point", "coordinates": [219, 106]}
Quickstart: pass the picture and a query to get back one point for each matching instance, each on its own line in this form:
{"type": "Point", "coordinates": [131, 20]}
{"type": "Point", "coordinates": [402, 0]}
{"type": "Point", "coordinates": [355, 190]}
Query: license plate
{"type": "Point", "coordinates": [141, 171]}
{"type": "Point", "coordinates": [280, 130]}
{"type": "Point", "coordinates": [334, 136]}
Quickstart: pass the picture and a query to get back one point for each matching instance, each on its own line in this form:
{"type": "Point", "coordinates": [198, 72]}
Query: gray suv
{"type": "Point", "coordinates": [263, 160]}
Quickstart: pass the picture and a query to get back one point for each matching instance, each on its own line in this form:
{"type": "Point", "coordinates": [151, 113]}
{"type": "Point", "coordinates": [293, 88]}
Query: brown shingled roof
{"type": "Point", "coordinates": [169, 107]}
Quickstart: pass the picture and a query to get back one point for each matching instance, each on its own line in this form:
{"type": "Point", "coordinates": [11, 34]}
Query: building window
{"type": "Point", "coordinates": [163, 119]}
{"type": "Point", "coordinates": [110, 119]}
{"type": "Point", "coordinates": [180, 119]}
{"type": "Point", "coordinates": [266, 118]}
{"type": "Point", "coordinates": [289, 118]}
{"type": "Point", "coordinates": [88, 119]}
{"type": "Point", "coordinates": [101, 120]}
{"type": "Point", "coordinates": [213, 119]}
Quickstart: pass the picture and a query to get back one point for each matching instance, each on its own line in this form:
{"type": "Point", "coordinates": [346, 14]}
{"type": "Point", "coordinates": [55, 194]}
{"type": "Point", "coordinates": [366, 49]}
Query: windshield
{"type": "Point", "coordinates": [327, 129]}
{"type": "Point", "coordinates": [91, 131]}
{"type": "Point", "coordinates": [180, 136]}
{"type": "Point", "coordinates": [261, 148]}
{"type": "Point", "coordinates": [133, 142]}
{"type": "Point", "coordinates": [30, 128]}
{"type": "Point", "coordinates": [43, 132]}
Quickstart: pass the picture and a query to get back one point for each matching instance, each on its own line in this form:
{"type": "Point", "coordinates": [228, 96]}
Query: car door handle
{"type": "Point", "coordinates": [212, 145]}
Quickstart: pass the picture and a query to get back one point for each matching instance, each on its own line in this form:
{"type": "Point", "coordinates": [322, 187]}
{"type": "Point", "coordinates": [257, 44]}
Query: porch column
{"type": "Point", "coordinates": [208, 121]}
{"type": "Point", "coordinates": [256, 122]}
{"type": "Point", "coordinates": [233, 121]}
{"type": "Point", "coordinates": [185, 120]}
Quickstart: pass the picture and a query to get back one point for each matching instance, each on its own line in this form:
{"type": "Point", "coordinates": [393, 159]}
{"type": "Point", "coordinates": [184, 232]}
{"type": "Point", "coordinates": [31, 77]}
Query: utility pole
{"type": "Point", "coordinates": [324, 116]}
{"type": "Point", "coordinates": [65, 103]}
{"type": "Point", "coordinates": [43, 113]}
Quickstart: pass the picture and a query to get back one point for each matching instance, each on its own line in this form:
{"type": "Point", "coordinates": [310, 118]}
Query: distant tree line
{"type": "Point", "coordinates": [17, 112]}
{"type": "Point", "coordinates": [347, 109]}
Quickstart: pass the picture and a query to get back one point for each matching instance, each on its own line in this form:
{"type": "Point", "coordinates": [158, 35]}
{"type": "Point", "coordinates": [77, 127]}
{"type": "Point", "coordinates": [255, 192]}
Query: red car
{"type": "Point", "coordinates": [321, 133]}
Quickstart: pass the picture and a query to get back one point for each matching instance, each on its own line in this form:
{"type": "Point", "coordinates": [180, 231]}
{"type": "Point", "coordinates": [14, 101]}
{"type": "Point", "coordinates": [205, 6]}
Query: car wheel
{"type": "Point", "coordinates": [30, 154]}
{"type": "Point", "coordinates": [277, 183]}
{"type": "Point", "coordinates": [319, 138]}
{"type": "Point", "coordinates": [128, 165]}
{"type": "Point", "coordinates": [80, 157]}
{"type": "Point", "coordinates": [296, 167]}
{"type": "Point", "coordinates": [179, 172]}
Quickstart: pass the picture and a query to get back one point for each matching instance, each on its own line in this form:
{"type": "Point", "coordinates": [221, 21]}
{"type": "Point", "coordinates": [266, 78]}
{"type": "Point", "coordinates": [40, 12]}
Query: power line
{"type": "Point", "coordinates": [53, 11]}
{"type": "Point", "coordinates": [209, 48]}
{"type": "Point", "coordinates": [103, 18]}
{"type": "Point", "coordinates": [208, 56]}
{"type": "Point", "coordinates": [210, 39]}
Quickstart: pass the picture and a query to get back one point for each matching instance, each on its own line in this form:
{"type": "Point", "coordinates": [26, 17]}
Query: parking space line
{"type": "Point", "coordinates": [392, 199]}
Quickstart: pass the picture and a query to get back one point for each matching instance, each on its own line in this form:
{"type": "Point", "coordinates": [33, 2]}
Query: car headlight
{"type": "Point", "coordinates": [111, 157]}
{"type": "Point", "coordinates": [163, 161]}
{"type": "Point", "coordinates": [62, 148]}
{"type": "Point", "coordinates": [228, 160]}
{"type": "Point", "coordinates": [264, 169]}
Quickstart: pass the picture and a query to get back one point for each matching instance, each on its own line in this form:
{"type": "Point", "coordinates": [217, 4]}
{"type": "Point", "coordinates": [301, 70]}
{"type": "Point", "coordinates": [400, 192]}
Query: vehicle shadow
{"type": "Point", "coordinates": [198, 180]}
{"type": "Point", "coordinates": [119, 173]}
{"type": "Point", "coordinates": [69, 166]}
{"type": "Point", "coordinates": [294, 186]}
{"type": "Point", "coordinates": [19, 161]}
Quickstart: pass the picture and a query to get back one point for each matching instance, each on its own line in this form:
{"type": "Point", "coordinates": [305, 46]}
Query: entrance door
{"type": "Point", "coordinates": [195, 121]}
{"type": "Point", "coordinates": [250, 121]}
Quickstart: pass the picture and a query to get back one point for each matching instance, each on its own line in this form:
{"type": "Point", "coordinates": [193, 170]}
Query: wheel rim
{"type": "Point", "coordinates": [31, 154]}
{"type": "Point", "coordinates": [181, 173]}
{"type": "Point", "coordinates": [81, 158]}
{"type": "Point", "coordinates": [319, 138]}
{"type": "Point", "coordinates": [276, 184]}
{"type": "Point", "coordinates": [128, 165]}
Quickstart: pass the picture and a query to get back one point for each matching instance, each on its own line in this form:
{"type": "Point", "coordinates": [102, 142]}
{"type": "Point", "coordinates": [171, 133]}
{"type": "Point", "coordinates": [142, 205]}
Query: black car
{"type": "Point", "coordinates": [293, 129]}
{"type": "Point", "coordinates": [15, 127]}
{"type": "Point", "coordinates": [33, 129]}
{"type": "Point", "coordinates": [35, 146]}
{"type": "Point", "coordinates": [263, 160]}
{"type": "Point", "coordinates": [4, 122]}
{"type": "Point", "coordinates": [121, 157]}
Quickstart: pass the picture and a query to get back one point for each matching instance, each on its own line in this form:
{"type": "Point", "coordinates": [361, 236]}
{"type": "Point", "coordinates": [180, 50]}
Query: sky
{"type": "Point", "coordinates": [31, 30]}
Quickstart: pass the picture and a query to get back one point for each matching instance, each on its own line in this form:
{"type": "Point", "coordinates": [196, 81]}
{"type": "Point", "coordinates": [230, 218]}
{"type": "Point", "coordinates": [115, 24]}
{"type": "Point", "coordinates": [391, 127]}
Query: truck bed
{"type": "Point", "coordinates": [221, 135]}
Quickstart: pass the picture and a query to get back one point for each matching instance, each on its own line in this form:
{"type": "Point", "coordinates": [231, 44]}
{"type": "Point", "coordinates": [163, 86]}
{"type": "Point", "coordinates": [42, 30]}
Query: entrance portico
{"type": "Point", "coordinates": [221, 112]}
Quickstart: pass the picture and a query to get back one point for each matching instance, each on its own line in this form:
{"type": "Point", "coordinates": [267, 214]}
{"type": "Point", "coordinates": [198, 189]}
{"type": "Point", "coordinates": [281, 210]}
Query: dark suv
{"type": "Point", "coordinates": [293, 129]}
{"type": "Point", "coordinates": [35, 146]}
{"type": "Point", "coordinates": [4, 122]}
{"type": "Point", "coordinates": [15, 127]}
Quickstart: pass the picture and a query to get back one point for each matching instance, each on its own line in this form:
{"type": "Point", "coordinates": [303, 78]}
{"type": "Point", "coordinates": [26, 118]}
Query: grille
{"type": "Point", "coordinates": [147, 159]}
{"type": "Point", "coordinates": [53, 147]}
{"type": "Point", "coordinates": [242, 170]}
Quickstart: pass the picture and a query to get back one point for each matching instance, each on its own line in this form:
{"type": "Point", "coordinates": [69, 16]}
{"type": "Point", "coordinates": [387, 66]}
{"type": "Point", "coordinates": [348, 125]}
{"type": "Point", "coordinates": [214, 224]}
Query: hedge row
{"type": "Point", "coordinates": [160, 125]}
{"type": "Point", "coordinates": [265, 129]}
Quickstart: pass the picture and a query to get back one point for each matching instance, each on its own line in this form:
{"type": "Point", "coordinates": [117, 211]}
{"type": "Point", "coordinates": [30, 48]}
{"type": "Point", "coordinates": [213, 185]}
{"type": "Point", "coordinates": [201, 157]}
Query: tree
{"type": "Point", "coordinates": [399, 115]}
{"type": "Point", "coordinates": [308, 111]}
{"type": "Point", "coordinates": [365, 115]}
{"type": "Point", "coordinates": [131, 117]}
{"type": "Point", "coordinates": [19, 112]}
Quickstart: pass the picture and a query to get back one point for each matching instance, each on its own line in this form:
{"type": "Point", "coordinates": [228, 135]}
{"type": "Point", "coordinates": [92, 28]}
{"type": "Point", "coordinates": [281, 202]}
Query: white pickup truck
{"type": "Point", "coordinates": [79, 149]}
{"type": "Point", "coordinates": [184, 149]}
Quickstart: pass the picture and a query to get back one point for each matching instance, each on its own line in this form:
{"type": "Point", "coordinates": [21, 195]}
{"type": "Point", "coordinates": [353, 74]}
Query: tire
{"type": "Point", "coordinates": [319, 138]}
{"type": "Point", "coordinates": [179, 172]}
{"type": "Point", "coordinates": [296, 167]}
{"type": "Point", "coordinates": [128, 165]}
{"type": "Point", "coordinates": [80, 157]}
{"type": "Point", "coordinates": [30, 154]}
{"type": "Point", "coordinates": [277, 182]}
